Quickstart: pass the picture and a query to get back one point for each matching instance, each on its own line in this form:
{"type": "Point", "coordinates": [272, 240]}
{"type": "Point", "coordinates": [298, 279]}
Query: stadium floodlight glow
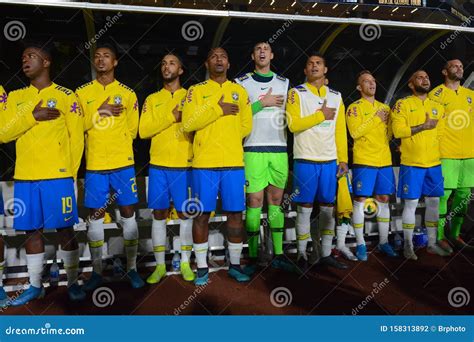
{"type": "Point", "coordinates": [294, 3]}
{"type": "Point", "coordinates": [395, 9]}
{"type": "Point", "coordinates": [414, 10]}
{"type": "Point", "coordinates": [376, 8]}
{"type": "Point", "coordinates": [314, 5]}
{"type": "Point", "coordinates": [355, 7]}
{"type": "Point", "coordinates": [334, 7]}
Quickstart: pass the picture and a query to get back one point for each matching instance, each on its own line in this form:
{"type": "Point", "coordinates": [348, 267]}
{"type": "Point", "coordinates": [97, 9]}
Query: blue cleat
{"type": "Point", "coordinates": [250, 269]}
{"type": "Point", "coordinates": [361, 252]}
{"type": "Point", "coordinates": [94, 282]}
{"type": "Point", "coordinates": [3, 298]}
{"type": "Point", "coordinates": [28, 295]}
{"type": "Point", "coordinates": [387, 250]}
{"type": "Point", "coordinates": [135, 280]}
{"type": "Point", "coordinates": [282, 263]}
{"type": "Point", "coordinates": [202, 281]}
{"type": "Point", "coordinates": [76, 293]}
{"type": "Point", "coordinates": [238, 274]}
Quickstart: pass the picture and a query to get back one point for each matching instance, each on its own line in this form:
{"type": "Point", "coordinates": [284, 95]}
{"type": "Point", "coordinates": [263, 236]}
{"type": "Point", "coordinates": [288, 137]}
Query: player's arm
{"type": "Point", "coordinates": [197, 115]}
{"type": "Point", "coordinates": [296, 123]}
{"type": "Point", "coordinates": [245, 114]}
{"type": "Point", "coordinates": [341, 135]}
{"type": "Point", "coordinates": [356, 124]}
{"type": "Point", "coordinates": [132, 115]}
{"type": "Point", "coordinates": [75, 127]}
{"type": "Point", "coordinates": [87, 116]}
{"type": "Point", "coordinates": [155, 120]}
{"type": "Point", "coordinates": [15, 123]}
{"type": "Point", "coordinates": [399, 118]}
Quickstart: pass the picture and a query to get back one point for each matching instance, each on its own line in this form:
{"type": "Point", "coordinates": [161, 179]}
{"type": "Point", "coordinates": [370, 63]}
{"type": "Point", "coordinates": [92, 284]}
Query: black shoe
{"type": "Point", "coordinates": [330, 261]}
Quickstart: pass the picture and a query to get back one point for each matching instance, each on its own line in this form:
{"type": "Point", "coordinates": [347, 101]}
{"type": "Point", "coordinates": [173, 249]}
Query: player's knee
{"type": "Point", "coordinates": [127, 211]}
{"type": "Point", "coordinates": [234, 220]}
{"type": "Point", "coordinates": [255, 200]}
{"type": "Point", "coordinates": [382, 198]}
{"type": "Point", "coordinates": [161, 214]}
{"type": "Point", "coordinates": [359, 199]}
{"type": "Point", "coordinates": [67, 239]}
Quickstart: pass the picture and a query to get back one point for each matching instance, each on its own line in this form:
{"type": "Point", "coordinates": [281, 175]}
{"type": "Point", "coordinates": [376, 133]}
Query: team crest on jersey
{"type": "Point", "coordinates": [405, 188]}
{"type": "Point", "coordinates": [435, 112]}
{"type": "Point", "coordinates": [469, 100]}
{"type": "Point", "coordinates": [51, 103]}
{"type": "Point", "coordinates": [117, 99]}
{"type": "Point", "coordinates": [235, 96]}
{"type": "Point", "coordinates": [359, 185]}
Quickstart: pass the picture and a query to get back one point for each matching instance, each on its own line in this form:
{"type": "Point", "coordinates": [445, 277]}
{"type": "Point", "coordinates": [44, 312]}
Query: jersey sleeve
{"type": "Point", "coordinates": [358, 127]}
{"type": "Point", "coordinates": [196, 114]}
{"type": "Point", "coordinates": [400, 126]}
{"type": "Point", "coordinates": [441, 125]}
{"type": "Point", "coordinates": [87, 116]}
{"type": "Point", "coordinates": [245, 110]}
{"type": "Point", "coordinates": [296, 123]}
{"type": "Point", "coordinates": [14, 123]}
{"type": "Point", "coordinates": [132, 115]}
{"type": "Point", "coordinates": [75, 127]}
{"type": "Point", "coordinates": [155, 120]}
{"type": "Point", "coordinates": [341, 134]}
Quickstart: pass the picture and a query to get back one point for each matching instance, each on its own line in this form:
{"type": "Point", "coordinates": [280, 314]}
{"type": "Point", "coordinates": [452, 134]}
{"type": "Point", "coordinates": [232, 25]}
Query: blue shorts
{"type": "Point", "coordinates": [168, 183]}
{"type": "Point", "coordinates": [314, 181]}
{"type": "Point", "coordinates": [228, 183]}
{"type": "Point", "coordinates": [49, 204]}
{"type": "Point", "coordinates": [2, 205]}
{"type": "Point", "coordinates": [99, 185]}
{"type": "Point", "coordinates": [417, 181]}
{"type": "Point", "coordinates": [368, 181]}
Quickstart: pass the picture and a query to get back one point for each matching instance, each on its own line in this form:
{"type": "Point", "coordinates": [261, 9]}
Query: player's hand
{"type": "Point", "coordinates": [45, 113]}
{"type": "Point", "coordinates": [177, 114]}
{"type": "Point", "coordinates": [269, 100]}
{"type": "Point", "coordinates": [329, 113]}
{"type": "Point", "coordinates": [342, 169]}
{"type": "Point", "coordinates": [383, 115]}
{"type": "Point", "coordinates": [429, 123]}
{"type": "Point", "coordinates": [228, 108]}
{"type": "Point", "coordinates": [107, 109]}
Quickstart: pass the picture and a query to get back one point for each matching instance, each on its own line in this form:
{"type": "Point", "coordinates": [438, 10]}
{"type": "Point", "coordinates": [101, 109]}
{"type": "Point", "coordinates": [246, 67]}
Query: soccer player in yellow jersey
{"type": "Point", "coordinates": [457, 151]}
{"type": "Point", "coordinates": [419, 122]}
{"type": "Point", "coordinates": [110, 125]}
{"type": "Point", "coordinates": [219, 113]}
{"type": "Point", "coordinates": [368, 123]}
{"type": "Point", "coordinates": [49, 146]}
{"type": "Point", "coordinates": [170, 161]}
{"type": "Point", "coordinates": [316, 117]}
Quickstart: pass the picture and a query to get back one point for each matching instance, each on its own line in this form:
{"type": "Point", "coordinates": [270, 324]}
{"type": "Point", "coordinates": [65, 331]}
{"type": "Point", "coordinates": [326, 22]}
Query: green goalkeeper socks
{"type": "Point", "coordinates": [252, 225]}
{"type": "Point", "coordinates": [276, 220]}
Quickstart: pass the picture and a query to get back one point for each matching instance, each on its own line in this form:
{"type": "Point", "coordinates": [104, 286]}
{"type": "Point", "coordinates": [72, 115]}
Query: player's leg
{"type": "Point", "coordinates": [344, 211]}
{"type": "Point", "coordinates": [233, 203]}
{"type": "Point", "coordinates": [443, 211]}
{"type": "Point", "coordinates": [96, 194]}
{"type": "Point", "coordinates": [461, 200]}
{"type": "Point", "coordinates": [159, 201]}
{"type": "Point", "coordinates": [410, 189]}
{"type": "Point", "coordinates": [451, 169]}
{"type": "Point", "coordinates": [384, 187]}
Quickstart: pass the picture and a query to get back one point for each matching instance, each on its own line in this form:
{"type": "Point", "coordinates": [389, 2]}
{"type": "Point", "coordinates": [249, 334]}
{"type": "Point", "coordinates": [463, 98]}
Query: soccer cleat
{"type": "Point", "coordinates": [459, 244]}
{"type": "Point", "coordinates": [238, 274]}
{"type": "Point", "coordinates": [186, 271]}
{"type": "Point", "coordinates": [302, 265]}
{"type": "Point", "coordinates": [444, 244]}
{"type": "Point", "coordinates": [27, 296]}
{"type": "Point", "coordinates": [76, 293]}
{"type": "Point", "coordinates": [158, 274]}
{"type": "Point", "coordinates": [282, 263]}
{"type": "Point", "coordinates": [435, 249]}
{"type": "Point", "coordinates": [135, 280]}
{"type": "Point", "coordinates": [202, 280]}
{"type": "Point", "coordinates": [330, 261]}
{"type": "Point", "coordinates": [386, 249]}
{"type": "Point", "coordinates": [361, 252]}
{"type": "Point", "coordinates": [250, 269]}
{"type": "Point", "coordinates": [3, 298]}
{"type": "Point", "coordinates": [94, 282]}
{"type": "Point", "coordinates": [346, 253]}
{"type": "Point", "coordinates": [409, 253]}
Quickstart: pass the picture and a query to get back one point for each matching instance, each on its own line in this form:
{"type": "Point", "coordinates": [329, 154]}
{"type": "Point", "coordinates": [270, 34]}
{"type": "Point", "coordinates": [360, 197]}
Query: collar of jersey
{"type": "Point", "coordinates": [321, 92]}
{"type": "Point", "coordinates": [211, 81]}
{"type": "Point", "coordinates": [51, 86]}
{"type": "Point", "coordinates": [264, 78]}
{"type": "Point", "coordinates": [108, 86]}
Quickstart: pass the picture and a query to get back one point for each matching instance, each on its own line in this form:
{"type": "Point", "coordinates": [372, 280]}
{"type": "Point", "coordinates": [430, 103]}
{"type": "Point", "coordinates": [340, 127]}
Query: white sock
{"type": "Point", "coordinates": [71, 265]}
{"type": "Point", "coordinates": [200, 250]}
{"type": "Point", "coordinates": [95, 234]}
{"type": "Point", "coordinates": [130, 235]}
{"type": "Point", "coordinates": [235, 250]}
{"type": "Point", "coordinates": [326, 224]}
{"type": "Point", "coordinates": [35, 264]}
{"type": "Point", "coordinates": [341, 232]}
{"type": "Point", "coordinates": [186, 238]}
{"type": "Point", "coordinates": [358, 221]}
{"type": "Point", "coordinates": [432, 218]}
{"type": "Point", "coordinates": [409, 220]}
{"type": "Point", "coordinates": [2, 266]}
{"type": "Point", "coordinates": [303, 222]}
{"type": "Point", "coordinates": [158, 237]}
{"type": "Point", "coordinates": [383, 221]}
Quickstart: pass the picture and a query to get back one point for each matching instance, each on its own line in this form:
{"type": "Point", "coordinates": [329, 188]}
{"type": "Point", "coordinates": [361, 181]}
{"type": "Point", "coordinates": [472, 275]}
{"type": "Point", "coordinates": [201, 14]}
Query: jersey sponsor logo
{"type": "Point", "coordinates": [281, 78]}
{"type": "Point", "coordinates": [64, 90]}
{"type": "Point", "coordinates": [264, 88]}
{"type": "Point", "coordinates": [291, 98]}
{"type": "Point", "coordinates": [63, 170]}
{"type": "Point", "coordinates": [206, 96]}
{"type": "Point", "coordinates": [51, 103]}
{"type": "Point", "coordinates": [117, 99]}
{"type": "Point", "coordinates": [412, 110]}
{"type": "Point", "coordinates": [67, 218]}
{"type": "Point", "coordinates": [90, 101]}
{"type": "Point", "coordinates": [189, 97]}
{"type": "Point", "coordinates": [235, 96]}
{"type": "Point", "coordinates": [438, 92]}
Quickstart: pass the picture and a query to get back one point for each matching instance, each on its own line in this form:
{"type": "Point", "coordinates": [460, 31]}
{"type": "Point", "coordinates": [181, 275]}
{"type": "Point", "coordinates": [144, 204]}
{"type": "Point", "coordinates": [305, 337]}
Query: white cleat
{"type": "Point", "coordinates": [346, 253]}
{"type": "Point", "coordinates": [409, 253]}
{"type": "Point", "coordinates": [436, 249]}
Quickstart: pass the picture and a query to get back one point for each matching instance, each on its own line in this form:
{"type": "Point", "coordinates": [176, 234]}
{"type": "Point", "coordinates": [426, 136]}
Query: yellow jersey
{"type": "Point", "coordinates": [420, 149]}
{"type": "Point", "coordinates": [170, 145]}
{"type": "Point", "coordinates": [46, 149]}
{"type": "Point", "coordinates": [109, 140]}
{"type": "Point", "coordinates": [371, 135]}
{"type": "Point", "coordinates": [458, 138]}
{"type": "Point", "coordinates": [218, 138]}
